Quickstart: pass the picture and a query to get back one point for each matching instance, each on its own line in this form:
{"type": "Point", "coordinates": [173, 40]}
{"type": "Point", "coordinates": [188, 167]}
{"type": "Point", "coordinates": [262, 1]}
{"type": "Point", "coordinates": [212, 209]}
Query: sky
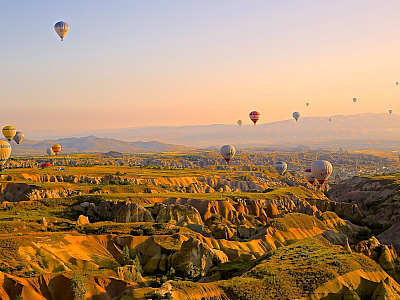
{"type": "Point", "coordinates": [154, 63]}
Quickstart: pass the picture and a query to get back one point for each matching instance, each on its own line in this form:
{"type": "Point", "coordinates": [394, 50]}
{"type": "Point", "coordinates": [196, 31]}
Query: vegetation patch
{"type": "Point", "coordinates": [295, 271]}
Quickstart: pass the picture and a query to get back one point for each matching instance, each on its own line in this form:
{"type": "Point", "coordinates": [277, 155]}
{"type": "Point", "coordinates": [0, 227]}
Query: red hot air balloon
{"type": "Point", "coordinates": [45, 165]}
{"type": "Point", "coordinates": [254, 116]}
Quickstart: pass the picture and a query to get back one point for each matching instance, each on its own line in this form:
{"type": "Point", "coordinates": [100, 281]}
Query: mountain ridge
{"type": "Point", "coordinates": [92, 144]}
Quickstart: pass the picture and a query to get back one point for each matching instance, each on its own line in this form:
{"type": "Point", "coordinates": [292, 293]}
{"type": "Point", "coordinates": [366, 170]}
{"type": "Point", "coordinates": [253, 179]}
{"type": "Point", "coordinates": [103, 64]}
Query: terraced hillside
{"type": "Point", "coordinates": [134, 232]}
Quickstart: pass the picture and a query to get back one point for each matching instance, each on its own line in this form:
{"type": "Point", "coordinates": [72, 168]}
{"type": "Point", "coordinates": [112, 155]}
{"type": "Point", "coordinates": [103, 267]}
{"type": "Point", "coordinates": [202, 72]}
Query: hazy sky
{"type": "Point", "coordinates": [141, 63]}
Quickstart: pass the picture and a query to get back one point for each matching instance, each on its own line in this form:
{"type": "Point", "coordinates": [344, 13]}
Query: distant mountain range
{"type": "Point", "coordinates": [93, 144]}
{"type": "Point", "coordinates": [365, 130]}
{"type": "Point", "coordinates": [354, 131]}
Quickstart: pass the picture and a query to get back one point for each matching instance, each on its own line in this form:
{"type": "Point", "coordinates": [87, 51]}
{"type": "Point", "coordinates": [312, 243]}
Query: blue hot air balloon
{"type": "Point", "coordinates": [61, 29]}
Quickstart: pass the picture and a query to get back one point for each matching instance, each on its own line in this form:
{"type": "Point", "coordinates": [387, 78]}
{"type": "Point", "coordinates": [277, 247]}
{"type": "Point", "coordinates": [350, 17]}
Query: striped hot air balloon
{"type": "Point", "coordinates": [254, 116]}
{"type": "Point", "coordinates": [9, 132]}
{"type": "Point", "coordinates": [5, 152]}
{"type": "Point", "coordinates": [56, 148]}
{"type": "Point", "coordinates": [309, 176]}
{"type": "Point", "coordinates": [62, 29]}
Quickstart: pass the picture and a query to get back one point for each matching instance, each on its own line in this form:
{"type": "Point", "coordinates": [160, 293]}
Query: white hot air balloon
{"type": "Point", "coordinates": [227, 152]}
{"type": "Point", "coordinates": [321, 169]}
{"type": "Point", "coordinates": [307, 104]}
{"type": "Point", "coordinates": [390, 111]}
{"type": "Point", "coordinates": [280, 167]}
{"type": "Point", "coordinates": [309, 176]}
{"type": "Point", "coordinates": [49, 152]}
{"type": "Point", "coordinates": [240, 122]}
{"type": "Point", "coordinates": [354, 100]}
{"type": "Point", "coordinates": [296, 115]}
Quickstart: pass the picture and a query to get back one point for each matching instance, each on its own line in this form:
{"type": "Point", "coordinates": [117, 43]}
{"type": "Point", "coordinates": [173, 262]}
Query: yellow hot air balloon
{"type": "Point", "coordinates": [56, 148]}
{"type": "Point", "coordinates": [5, 152]}
{"type": "Point", "coordinates": [9, 132]}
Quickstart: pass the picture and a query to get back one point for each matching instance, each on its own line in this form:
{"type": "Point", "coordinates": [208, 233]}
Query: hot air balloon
{"type": "Point", "coordinates": [354, 100]}
{"type": "Point", "coordinates": [49, 151]}
{"type": "Point", "coordinates": [330, 120]}
{"type": "Point", "coordinates": [61, 29]}
{"type": "Point", "coordinates": [5, 152]}
{"type": "Point", "coordinates": [240, 122]}
{"type": "Point", "coordinates": [397, 83]}
{"type": "Point", "coordinates": [254, 116]}
{"type": "Point", "coordinates": [227, 152]}
{"type": "Point", "coordinates": [390, 111]}
{"type": "Point", "coordinates": [280, 167]}
{"type": "Point", "coordinates": [309, 176]}
{"type": "Point", "coordinates": [296, 115]}
{"type": "Point", "coordinates": [307, 104]}
{"type": "Point", "coordinates": [46, 165]}
{"type": "Point", "coordinates": [19, 136]}
{"type": "Point", "coordinates": [56, 148]}
{"type": "Point", "coordinates": [9, 132]}
{"type": "Point", "coordinates": [321, 169]}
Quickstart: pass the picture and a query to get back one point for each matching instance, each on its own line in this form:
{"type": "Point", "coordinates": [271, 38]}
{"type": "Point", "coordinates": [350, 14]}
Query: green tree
{"type": "Point", "coordinates": [126, 256]}
{"type": "Point", "coordinates": [171, 274]}
{"type": "Point", "coordinates": [138, 266]}
{"type": "Point", "coordinates": [79, 286]}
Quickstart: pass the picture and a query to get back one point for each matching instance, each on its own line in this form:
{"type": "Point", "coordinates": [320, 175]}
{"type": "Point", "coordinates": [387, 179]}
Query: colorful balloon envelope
{"type": "Point", "coordinates": [5, 152]}
{"type": "Point", "coordinates": [296, 115]}
{"type": "Point", "coordinates": [62, 29]}
{"type": "Point", "coordinates": [19, 136]}
{"type": "Point", "coordinates": [309, 176]}
{"type": "Point", "coordinates": [227, 152]}
{"type": "Point", "coordinates": [46, 165]}
{"type": "Point", "coordinates": [240, 122]}
{"type": "Point", "coordinates": [9, 132]}
{"type": "Point", "coordinates": [280, 167]}
{"type": "Point", "coordinates": [254, 116]}
{"type": "Point", "coordinates": [321, 169]}
{"type": "Point", "coordinates": [56, 148]}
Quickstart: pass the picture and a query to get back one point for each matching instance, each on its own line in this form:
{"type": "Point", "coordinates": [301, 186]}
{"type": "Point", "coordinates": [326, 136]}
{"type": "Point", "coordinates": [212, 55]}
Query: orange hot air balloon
{"type": "Point", "coordinates": [56, 148]}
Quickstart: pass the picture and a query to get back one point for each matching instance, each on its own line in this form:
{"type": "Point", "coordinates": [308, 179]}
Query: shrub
{"type": "Point", "coordinates": [171, 274]}
{"type": "Point", "coordinates": [137, 232]}
{"type": "Point", "coordinates": [79, 286]}
{"type": "Point", "coordinates": [149, 231]}
{"type": "Point", "coordinates": [4, 269]}
{"type": "Point", "coordinates": [336, 263]}
{"type": "Point", "coordinates": [216, 260]}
